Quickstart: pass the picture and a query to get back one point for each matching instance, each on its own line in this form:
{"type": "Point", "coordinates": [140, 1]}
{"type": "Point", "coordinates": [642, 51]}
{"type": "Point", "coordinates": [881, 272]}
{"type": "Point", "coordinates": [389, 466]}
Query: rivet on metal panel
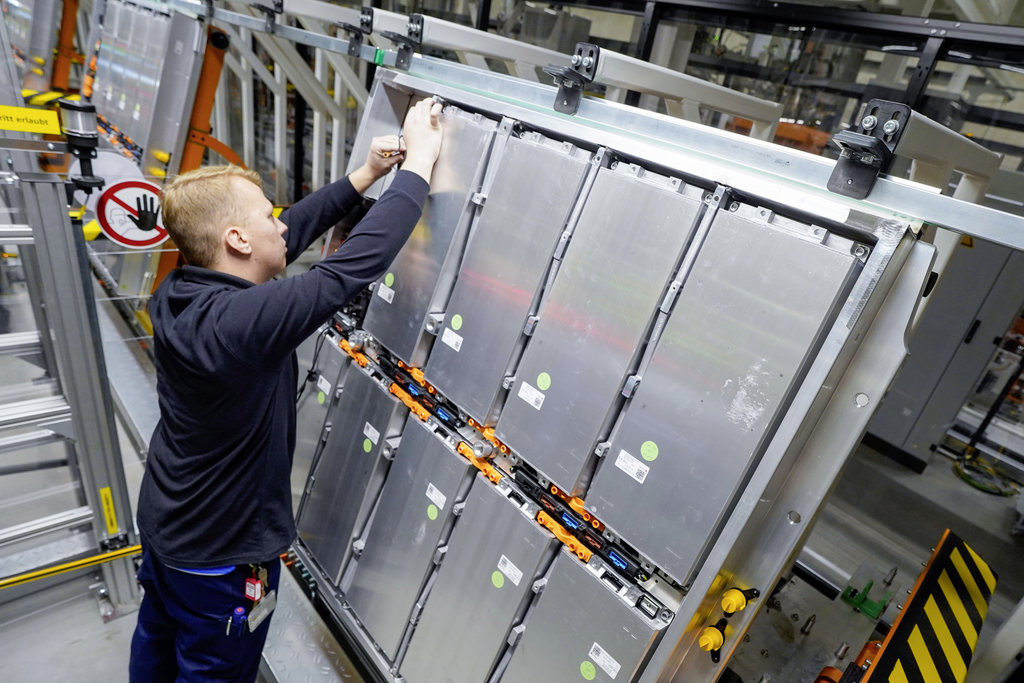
{"type": "Point", "coordinates": [861, 400]}
{"type": "Point", "coordinates": [735, 206]}
{"type": "Point", "coordinates": [793, 517]}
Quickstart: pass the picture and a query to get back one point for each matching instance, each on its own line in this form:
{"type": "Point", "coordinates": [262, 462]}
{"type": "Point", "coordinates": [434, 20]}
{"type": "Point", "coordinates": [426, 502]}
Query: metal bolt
{"type": "Point", "coordinates": [869, 122]}
{"type": "Point", "coordinates": [764, 653]}
{"type": "Point", "coordinates": [860, 251]}
{"type": "Point", "coordinates": [794, 616]}
{"type": "Point", "coordinates": [842, 650]}
{"type": "Point", "coordinates": [576, 60]}
{"type": "Point", "coordinates": [891, 126]}
{"type": "Point", "coordinates": [588, 62]}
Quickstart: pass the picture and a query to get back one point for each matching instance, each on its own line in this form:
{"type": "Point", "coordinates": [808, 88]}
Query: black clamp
{"type": "Point", "coordinates": [571, 79]}
{"type": "Point", "coordinates": [868, 151]}
{"type": "Point", "coordinates": [356, 33]}
{"type": "Point", "coordinates": [270, 14]}
{"type": "Point", "coordinates": [114, 542]}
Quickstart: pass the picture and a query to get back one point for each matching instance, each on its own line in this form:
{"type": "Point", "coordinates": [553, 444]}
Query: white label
{"type": "Point", "coordinates": [370, 433]}
{"type": "Point", "coordinates": [533, 396]}
{"type": "Point", "coordinates": [631, 466]}
{"type": "Point", "coordinates": [323, 385]}
{"type": "Point", "coordinates": [452, 339]}
{"type": "Point", "coordinates": [385, 292]}
{"type": "Point", "coordinates": [604, 660]}
{"type": "Point", "coordinates": [436, 497]}
{"type": "Point", "coordinates": [512, 572]}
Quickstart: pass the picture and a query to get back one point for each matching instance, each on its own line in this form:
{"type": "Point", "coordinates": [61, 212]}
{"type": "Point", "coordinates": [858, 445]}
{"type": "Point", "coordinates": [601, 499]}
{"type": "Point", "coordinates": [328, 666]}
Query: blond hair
{"type": "Point", "coordinates": [199, 204]}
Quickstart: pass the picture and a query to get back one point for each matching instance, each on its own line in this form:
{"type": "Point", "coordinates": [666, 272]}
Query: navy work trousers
{"type": "Point", "coordinates": [181, 634]}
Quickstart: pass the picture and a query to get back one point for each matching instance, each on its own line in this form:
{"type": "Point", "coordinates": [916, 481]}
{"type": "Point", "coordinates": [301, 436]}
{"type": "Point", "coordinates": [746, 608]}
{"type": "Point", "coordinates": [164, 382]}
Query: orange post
{"type": "Point", "coordinates": [65, 46]}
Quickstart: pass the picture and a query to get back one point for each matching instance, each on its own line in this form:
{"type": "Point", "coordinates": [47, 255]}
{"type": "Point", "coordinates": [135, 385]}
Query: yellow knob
{"type": "Point", "coordinates": [711, 639]}
{"type": "Point", "coordinates": [161, 156]}
{"type": "Point", "coordinates": [733, 600]}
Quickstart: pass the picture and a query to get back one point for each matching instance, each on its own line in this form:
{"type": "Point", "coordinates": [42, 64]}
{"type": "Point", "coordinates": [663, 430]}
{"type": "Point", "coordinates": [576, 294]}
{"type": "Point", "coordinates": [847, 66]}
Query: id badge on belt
{"type": "Point", "coordinates": [264, 601]}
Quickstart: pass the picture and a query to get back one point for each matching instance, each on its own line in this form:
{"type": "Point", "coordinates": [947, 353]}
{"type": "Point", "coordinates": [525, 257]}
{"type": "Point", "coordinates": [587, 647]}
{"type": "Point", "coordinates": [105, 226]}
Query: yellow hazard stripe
{"type": "Point", "coordinates": [983, 568]}
{"type": "Point", "coordinates": [922, 657]}
{"type": "Point", "coordinates": [898, 675]}
{"type": "Point", "coordinates": [972, 586]}
{"type": "Point", "coordinates": [959, 611]}
{"type": "Point", "coordinates": [949, 648]}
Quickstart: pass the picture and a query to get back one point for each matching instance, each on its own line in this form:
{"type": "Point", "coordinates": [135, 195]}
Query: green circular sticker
{"type": "Point", "coordinates": [389, 279]}
{"type": "Point", "coordinates": [456, 322]}
{"type": "Point", "coordinates": [543, 381]}
{"type": "Point", "coordinates": [432, 512]}
{"type": "Point", "coordinates": [497, 578]}
{"type": "Point", "coordinates": [367, 445]}
{"type": "Point", "coordinates": [320, 397]}
{"type": "Point", "coordinates": [649, 451]}
{"type": "Point", "coordinates": [587, 670]}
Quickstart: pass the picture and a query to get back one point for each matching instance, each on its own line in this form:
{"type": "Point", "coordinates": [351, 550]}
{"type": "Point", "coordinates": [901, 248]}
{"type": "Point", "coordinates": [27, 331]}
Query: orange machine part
{"type": "Point", "coordinates": [410, 403]}
{"type": "Point", "coordinates": [466, 451]}
{"type": "Point", "coordinates": [570, 541]}
{"type": "Point", "coordinates": [829, 674]}
{"type": "Point", "coordinates": [356, 356]}
{"type": "Point", "coordinates": [65, 46]}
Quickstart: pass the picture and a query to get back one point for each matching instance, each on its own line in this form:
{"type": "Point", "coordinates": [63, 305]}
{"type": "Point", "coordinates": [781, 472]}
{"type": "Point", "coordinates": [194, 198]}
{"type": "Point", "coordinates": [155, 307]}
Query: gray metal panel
{"type": "Point", "coordinates": [509, 251]}
{"type": "Point", "coordinates": [580, 627]}
{"type": "Point", "coordinates": [384, 114]}
{"type": "Point", "coordinates": [423, 487]}
{"type": "Point", "coordinates": [749, 317]}
{"type": "Point", "coordinates": [311, 411]}
{"type": "Point", "coordinates": [350, 470]}
{"type": "Point", "coordinates": [406, 294]}
{"type": "Point", "coordinates": [494, 554]}
{"type": "Point", "coordinates": [623, 252]}
{"type": "Point", "coordinates": [950, 311]}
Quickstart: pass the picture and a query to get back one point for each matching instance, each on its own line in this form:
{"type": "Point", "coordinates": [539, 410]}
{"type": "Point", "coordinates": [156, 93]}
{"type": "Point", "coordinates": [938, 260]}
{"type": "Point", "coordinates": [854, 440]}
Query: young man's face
{"type": "Point", "coordinates": [264, 232]}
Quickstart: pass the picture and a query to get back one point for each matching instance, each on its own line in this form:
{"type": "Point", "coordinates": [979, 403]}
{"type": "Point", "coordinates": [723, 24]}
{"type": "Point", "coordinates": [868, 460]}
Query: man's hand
{"type": "Point", "coordinates": [148, 212]}
{"type": "Point", "coordinates": [422, 133]}
{"type": "Point", "coordinates": [386, 152]}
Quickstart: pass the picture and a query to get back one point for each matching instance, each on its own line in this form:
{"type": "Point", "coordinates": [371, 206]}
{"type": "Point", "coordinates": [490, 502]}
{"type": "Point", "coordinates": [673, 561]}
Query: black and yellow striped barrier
{"type": "Point", "coordinates": [37, 574]}
{"type": "Point", "coordinates": [933, 639]}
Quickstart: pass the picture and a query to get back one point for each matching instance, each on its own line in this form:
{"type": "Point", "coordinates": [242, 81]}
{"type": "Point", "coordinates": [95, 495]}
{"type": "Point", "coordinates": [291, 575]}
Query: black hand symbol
{"type": "Point", "coordinates": [148, 212]}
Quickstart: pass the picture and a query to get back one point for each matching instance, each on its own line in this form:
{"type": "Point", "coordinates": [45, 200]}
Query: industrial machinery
{"type": "Point", "coordinates": [601, 392]}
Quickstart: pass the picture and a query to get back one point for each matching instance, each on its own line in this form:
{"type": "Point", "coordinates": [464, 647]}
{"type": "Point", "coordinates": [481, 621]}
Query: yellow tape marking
{"type": "Point", "coordinates": [972, 585]}
{"type": "Point", "coordinates": [898, 675]}
{"type": "Point", "coordinates": [29, 120]}
{"type": "Point", "coordinates": [956, 662]}
{"type": "Point", "coordinates": [986, 572]}
{"type": "Point", "coordinates": [958, 609]}
{"type": "Point", "coordinates": [924, 660]}
{"type": "Point", "coordinates": [108, 510]}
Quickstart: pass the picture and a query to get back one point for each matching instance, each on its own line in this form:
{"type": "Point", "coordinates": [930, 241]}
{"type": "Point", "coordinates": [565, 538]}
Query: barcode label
{"type": "Point", "coordinates": [512, 572]}
{"type": "Point", "coordinates": [323, 385]}
{"type": "Point", "coordinates": [604, 660]}
{"type": "Point", "coordinates": [370, 433]}
{"type": "Point", "coordinates": [532, 395]}
{"type": "Point", "coordinates": [385, 292]}
{"type": "Point", "coordinates": [436, 497]}
{"type": "Point", "coordinates": [631, 466]}
{"type": "Point", "coordinates": [452, 339]}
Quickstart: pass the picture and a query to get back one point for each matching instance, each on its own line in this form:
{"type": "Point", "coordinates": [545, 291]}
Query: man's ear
{"type": "Point", "coordinates": [236, 241]}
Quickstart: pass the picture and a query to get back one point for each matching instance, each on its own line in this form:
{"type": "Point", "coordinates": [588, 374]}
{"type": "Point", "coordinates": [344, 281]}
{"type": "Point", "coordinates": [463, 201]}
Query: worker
{"type": "Point", "coordinates": [215, 507]}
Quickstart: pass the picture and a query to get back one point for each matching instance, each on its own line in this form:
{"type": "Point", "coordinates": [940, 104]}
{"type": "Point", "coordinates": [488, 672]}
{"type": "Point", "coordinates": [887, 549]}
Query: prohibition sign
{"type": "Point", "coordinates": [119, 205]}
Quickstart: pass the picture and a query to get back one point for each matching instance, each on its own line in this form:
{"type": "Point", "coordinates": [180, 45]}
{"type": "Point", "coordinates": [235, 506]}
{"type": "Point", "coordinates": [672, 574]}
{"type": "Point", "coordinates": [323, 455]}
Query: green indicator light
{"type": "Point", "coordinates": [367, 445]}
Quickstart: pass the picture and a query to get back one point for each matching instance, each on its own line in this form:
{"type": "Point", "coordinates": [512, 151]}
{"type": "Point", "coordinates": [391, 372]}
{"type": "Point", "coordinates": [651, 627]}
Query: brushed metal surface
{"type": "Point", "coordinates": [311, 411]}
{"type": "Point", "coordinates": [426, 481]}
{"type": "Point", "coordinates": [349, 472]}
{"type": "Point", "coordinates": [628, 241]}
{"type": "Point", "coordinates": [482, 585]}
{"type": "Point", "coordinates": [420, 278]}
{"type": "Point", "coordinates": [580, 627]}
{"type": "Point", "coordinates": [748, 319]}
{"type": "Point", "coordinates": [508, 253]}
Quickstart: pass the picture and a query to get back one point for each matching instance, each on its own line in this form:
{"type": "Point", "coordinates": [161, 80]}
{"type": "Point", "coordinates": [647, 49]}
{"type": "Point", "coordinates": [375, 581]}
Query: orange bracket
{"type": "Point", "coordinates": [570, 541]}
{"type": "Point", "coordinates": [65, 46]}
{"type": "Point", "coordinates": [466, 451]}
{"type": "Point", "coordinates": [356, 356]}
{"type": "Point", "coordinates": [206, 140]}
{"type": "Point", "coordinates": [410, 403]}
{"type": "Point", "coordinates": [577, 505]}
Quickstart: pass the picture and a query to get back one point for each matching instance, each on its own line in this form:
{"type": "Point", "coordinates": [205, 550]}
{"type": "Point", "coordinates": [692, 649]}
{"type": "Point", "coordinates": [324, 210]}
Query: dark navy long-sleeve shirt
{"type": "Point", "coordinates": [217, 488]}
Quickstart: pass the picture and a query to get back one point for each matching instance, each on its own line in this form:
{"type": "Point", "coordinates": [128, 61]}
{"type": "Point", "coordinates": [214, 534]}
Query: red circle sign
{"type": "Point", "coordinates": [117, 212]}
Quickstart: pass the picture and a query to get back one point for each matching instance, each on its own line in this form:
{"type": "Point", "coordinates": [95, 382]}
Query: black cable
{"type": "Point", "coordinates": [311, 373]}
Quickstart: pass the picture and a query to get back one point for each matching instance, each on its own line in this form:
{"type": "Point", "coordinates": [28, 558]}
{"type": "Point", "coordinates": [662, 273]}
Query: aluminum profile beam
{"type": "Point", "coordinates": [33, 411]}
{"type": "Point", "coordinates": [20, 343]}
{"type": "Point", "coordinates": [68, 519]}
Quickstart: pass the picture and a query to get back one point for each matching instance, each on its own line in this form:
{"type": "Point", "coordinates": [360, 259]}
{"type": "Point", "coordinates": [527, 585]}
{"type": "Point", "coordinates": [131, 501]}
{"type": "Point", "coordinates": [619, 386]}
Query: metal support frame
{"type": "Point", "coordinates": [71, 310]}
